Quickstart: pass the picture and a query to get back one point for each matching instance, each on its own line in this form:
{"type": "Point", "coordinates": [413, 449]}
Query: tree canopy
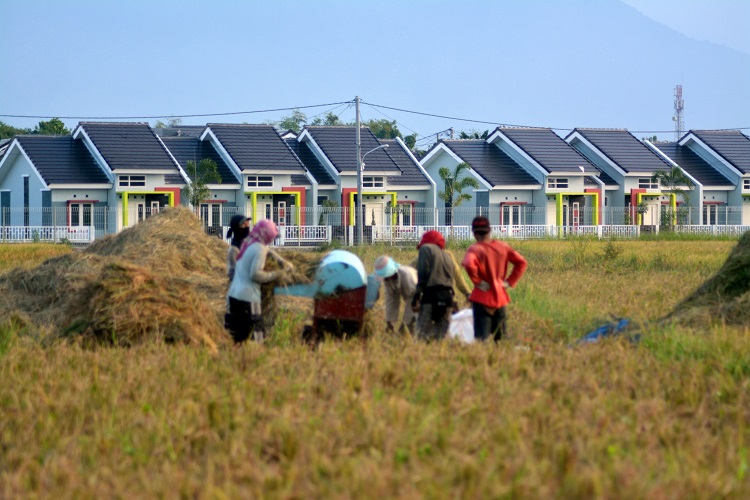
{"type": "Point", "coordinates": [454, 185]}
{"type": "Point", "coordinates": [171, 123]}
{"type": "Point", "coordinates": [55, 126]}
{"type": "Point", "coordinates": [8, 131]}
{"type": "Point", "coordinates": [294, 122]}
{"type": "Point", "coordinates": [201, 174]}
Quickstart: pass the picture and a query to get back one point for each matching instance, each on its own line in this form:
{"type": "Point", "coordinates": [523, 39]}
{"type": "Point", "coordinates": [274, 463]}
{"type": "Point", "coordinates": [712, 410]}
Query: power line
{"type": "Point", "coordinates": [523, 126]}
{"type": "Point", "coordinates": [176, 116]}
{"type": "Point", "coordinates": [334, 104]}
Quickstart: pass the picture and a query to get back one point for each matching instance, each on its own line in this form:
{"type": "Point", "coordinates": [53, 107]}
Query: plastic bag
{"type": "Point", "coordinates": [462, 326]}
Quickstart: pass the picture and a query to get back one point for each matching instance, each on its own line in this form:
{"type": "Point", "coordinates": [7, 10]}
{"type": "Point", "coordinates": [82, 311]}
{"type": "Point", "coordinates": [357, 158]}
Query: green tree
{"type": "Point", "coordinates": [473, 134]}
{"type": "Point", "coordinates": [171, 123]}
{"type": "Point", "coordinates": [294, 122]}
{"type": "Point", "coordinates": [55, 126]}
{"type": "Point", "coordinates": [8, 131]}
{"type": "Point", "coordinates": [675, 181]}
{"type": "Point", "coordinates": [454, 185]}
{"type": "Point", "coordinates": [411, 140]}
{"type": "Point", "coordinates": [328, 120]}
{"type": "Point", "coordinates": [201, 174]}
{"type": "Point", "coordinates": [383, 129]}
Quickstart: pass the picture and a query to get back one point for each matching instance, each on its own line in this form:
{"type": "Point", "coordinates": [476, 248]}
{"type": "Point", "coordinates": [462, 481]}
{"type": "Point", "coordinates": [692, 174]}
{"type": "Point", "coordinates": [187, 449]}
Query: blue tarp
{"type": "Point", "coordinates": [608, 330]}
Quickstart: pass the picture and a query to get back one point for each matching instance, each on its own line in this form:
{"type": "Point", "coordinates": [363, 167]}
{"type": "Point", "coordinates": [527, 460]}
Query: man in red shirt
{"type": "Point", "coordinates": [486, 263]}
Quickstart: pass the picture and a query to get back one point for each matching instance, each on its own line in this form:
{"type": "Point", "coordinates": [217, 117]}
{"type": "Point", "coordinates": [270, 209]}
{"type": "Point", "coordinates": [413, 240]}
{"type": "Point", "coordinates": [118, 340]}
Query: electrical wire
{"type": "Point", "coordinates": [176, 116]}
{"type": "Point", "coordinates": [349, 103]}
{"type": "Point", "coordinates": [526, 126]}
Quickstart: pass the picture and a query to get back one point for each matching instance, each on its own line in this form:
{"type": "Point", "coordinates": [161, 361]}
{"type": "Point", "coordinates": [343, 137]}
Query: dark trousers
{"type": "Point", "coordinates": [240, 320]}
{"type": "Point", "coordinates": [486, 324]}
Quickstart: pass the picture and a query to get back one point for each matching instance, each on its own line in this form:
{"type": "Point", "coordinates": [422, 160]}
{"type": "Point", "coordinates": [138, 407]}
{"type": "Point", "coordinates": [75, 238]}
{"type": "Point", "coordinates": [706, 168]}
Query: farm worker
{"type": "Point", "coordinates": [459, 282]}
{"type": "Point", "coordinates": [400, 282]}
{"type": "Point", "coordinates": [239, 228]}
{"type": "Point", "coordinates": [244, 293]}
{"type": "Point", "coordinates": [486, 263]}
{"type": "Point", "coordinates": [433, 297]}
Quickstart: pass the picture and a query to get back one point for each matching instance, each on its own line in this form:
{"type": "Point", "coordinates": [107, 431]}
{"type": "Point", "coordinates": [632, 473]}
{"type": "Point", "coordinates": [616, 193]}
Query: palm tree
{"type": "Point", "coordinates": [452, 193]}
{"type": "Point", "coordinates": [674, 181]}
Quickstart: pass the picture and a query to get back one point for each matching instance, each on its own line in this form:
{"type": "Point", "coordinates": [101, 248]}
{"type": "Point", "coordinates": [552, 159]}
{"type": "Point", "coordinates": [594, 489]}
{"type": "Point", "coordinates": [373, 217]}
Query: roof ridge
{"type": "Point", "coordinates": [240, 125]}
{"type": "Point", "coordinates": [605, 129]}
{"type": "Point", "coordinates": [115, 123]}
{"type": "Point", "coordinates": [521, 127]}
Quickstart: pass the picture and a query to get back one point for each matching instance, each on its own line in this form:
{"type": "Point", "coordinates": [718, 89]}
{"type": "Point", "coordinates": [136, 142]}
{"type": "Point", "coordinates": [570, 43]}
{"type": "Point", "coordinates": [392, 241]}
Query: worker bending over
{"type": "Point", "coordinates": [400, 283]}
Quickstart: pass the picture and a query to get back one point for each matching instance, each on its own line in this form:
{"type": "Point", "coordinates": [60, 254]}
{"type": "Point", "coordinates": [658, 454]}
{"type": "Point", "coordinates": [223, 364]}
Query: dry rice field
{"type": "Point", "coordinates": [534, 416]}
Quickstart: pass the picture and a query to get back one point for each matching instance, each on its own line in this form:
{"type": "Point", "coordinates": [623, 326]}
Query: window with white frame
{"type": "Point", "coordinates": [80, 214]}
{"type": "Point", "coordinates": [557, 183]}
{"type": "Point", "coordinates": [373, 181]}
{"type": "Point", "coordinates": [746, 184]}
{"type": "Point", "coordinates": [259, 181]}
{"type": "Point", "coordinates": [132, 180]}
{"type": "Point", "coordinates": [647, 183]}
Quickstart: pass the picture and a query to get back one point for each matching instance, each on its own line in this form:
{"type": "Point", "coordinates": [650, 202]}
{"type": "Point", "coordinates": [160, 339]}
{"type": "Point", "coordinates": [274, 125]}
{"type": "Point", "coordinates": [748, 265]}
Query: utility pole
{"type": "Point", "coordinates": [358, 216]}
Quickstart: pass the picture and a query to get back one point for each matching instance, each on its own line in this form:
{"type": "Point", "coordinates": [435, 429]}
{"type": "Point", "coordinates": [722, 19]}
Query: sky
{"type": "Point", "coordinates": [473, 64]}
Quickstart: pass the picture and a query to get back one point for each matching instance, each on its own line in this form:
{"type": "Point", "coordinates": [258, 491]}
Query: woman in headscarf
{"type": "Point", "coordinates": [245, 309]}
{"type": "Point", "coordinates": [239, 228]}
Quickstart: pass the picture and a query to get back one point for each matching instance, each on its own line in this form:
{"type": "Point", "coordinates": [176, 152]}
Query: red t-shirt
{"type": "Point", "coordinates": [489, 262]}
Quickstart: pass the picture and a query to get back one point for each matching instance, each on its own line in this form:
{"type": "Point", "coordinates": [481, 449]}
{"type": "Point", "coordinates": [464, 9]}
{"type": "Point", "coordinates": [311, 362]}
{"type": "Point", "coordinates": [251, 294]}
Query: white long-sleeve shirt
{"type": "Point", "coordinates": [249, 274]}
{"type": "Point", "coordinates": [401, 288]}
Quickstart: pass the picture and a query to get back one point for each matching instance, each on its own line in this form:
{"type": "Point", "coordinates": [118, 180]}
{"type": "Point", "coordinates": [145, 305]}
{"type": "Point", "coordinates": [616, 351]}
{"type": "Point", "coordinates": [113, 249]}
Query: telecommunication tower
{"type": "Point", "coordinates": [679, 108]}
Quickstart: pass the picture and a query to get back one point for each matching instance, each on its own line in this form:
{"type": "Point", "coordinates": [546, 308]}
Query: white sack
{"type": "Point", "coordinates": [462, 326]}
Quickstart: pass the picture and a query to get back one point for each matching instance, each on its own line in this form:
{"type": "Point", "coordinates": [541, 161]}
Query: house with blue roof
{"type": "Point", "coordinates": [631, 163]}
{"type": "Point", "coordinates": [145, 176]}
{"type": "Point", "coordinates": [527, 176]}
{"type": "Point", "coordinates": [51, 181]}
{"type": "Point", "coordinates": [274, 183]}
{"type": "Point", "coordinates": [711, 187]}
{"type": "Point", "coordinates": [728, 152]}
{"type": "Point", "coordinates": [395, 188]}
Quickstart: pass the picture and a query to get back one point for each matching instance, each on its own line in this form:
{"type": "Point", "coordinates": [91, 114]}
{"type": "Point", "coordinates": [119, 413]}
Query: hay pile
{"type": "Point", "coordinates": [163, 279]}
{"type": "Point", "coordinates": [723, 298]}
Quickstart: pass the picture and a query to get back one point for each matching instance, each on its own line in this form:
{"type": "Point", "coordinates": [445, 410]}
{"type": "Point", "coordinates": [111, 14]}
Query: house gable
{"type": "Point", "coordinates": [128, 147]}
{"type": "Point", "coordinates": [727, 150]}
{"type": "Point", "coordinates": [187, 149]}
{"type": "Point", "coordinates": [691, 163]}
{"type": "Point", "coordinates": [255, 149]}
{"type": "Point", "coordinates": [622, 149]}
{"type": "Point", "coordinates": [542, 149]}
{"type": "Point", "coordinates": [338, 146]}
{"type": "Point", "coordinates": [492, 164]}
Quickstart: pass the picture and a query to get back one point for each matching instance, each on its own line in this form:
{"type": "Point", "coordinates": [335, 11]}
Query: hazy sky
{"type": "Point", "coordinates": [720, 21]}
{"type": "Point", "coordinates": [562, 64]}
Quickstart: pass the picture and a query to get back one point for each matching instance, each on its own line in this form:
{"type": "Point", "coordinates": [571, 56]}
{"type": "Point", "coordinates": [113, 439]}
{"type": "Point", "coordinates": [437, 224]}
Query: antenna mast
{"type": "Point", "coordinates": [679, 108]}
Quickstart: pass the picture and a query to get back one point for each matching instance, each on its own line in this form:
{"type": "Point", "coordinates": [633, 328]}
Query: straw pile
{"type": "Point", "coordinates": [723, 298]}
{"type": "Point", "coordinates": [163, 279]}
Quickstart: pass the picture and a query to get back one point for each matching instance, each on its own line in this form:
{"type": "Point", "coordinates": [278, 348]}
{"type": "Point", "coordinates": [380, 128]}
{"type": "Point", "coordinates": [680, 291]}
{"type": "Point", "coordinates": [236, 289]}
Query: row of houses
{"type": "Point", "coordinates": [526, 176]}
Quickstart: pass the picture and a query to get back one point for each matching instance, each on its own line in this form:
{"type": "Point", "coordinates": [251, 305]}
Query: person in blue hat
{"type": "Point", "coordinates": [400, 283]}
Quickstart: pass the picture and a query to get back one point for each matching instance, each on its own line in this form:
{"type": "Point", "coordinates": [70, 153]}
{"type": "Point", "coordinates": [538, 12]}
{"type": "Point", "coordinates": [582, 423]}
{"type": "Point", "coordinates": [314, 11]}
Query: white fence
{"type": "Point", "coordinates": [58, 234]}
{"type": "Point", "coordinates": [401, 226]}
{"type": "Point", "coordinates": [713, 230]}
